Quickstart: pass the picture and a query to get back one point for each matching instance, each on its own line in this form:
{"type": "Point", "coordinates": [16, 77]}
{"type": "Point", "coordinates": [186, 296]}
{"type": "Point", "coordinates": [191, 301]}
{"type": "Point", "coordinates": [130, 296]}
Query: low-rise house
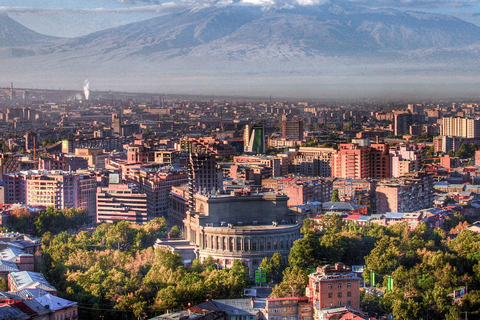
{"type": "Point", "coordinates": [24, 261]}
{"type": "Point", "coordinates": [193, 313]}
{"type": "Point", "coordinates": [12, 312]}
{"type": "Point", "coordinates": [59, 308]}
{"type": "Point", "coordinates": [346, 207]}
{"type": "Point", "coordinates": [6, 267]}
{"type": "Point", "coordinates": [293, 308]}
{"type": "Point", "coordinates": [29, 280]}
{"type": "Point", "coordinates": [412, 218]}
{"type": "Point", "coordinates": [378, 218]}
{"type": "Point", "coordinates": [394, 217]}
{"type": "Point", "coordinates": [474, 227]}
{"type": "Point", "coordinates": [237, 309]}
{"type": "Point", "coordinates": [37, 304]}
{"type": "Point", "coordinates": [342, 313]}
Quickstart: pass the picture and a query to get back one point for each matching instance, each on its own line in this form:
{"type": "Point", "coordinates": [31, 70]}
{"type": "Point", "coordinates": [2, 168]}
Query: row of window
{"type": "Point", "coordinates": [339, 286]}
{"type": "Point", "coordinates": [349, 303]}
{"type": "Point", "coordinates": [278, 310]}
{"type": "Point", "coordinates": [339, 295]}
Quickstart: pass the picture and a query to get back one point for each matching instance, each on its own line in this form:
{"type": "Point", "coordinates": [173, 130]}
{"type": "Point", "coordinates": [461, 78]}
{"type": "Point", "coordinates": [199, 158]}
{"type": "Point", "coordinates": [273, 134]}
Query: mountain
{"type": "Point", "coordinates": [251, 31]}
{"type": "Point", "coordinates": [13, 34]}
{"type": "Point", "coordinates": [240, 42]}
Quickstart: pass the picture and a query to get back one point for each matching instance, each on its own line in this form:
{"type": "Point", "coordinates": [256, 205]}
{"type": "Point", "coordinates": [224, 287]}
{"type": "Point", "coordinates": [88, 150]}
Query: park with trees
{"type": "Point", "coordinates": [115, 272]}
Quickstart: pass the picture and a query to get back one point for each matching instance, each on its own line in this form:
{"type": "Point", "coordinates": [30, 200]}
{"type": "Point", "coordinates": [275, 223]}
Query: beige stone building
{"type": "Point", "coordinates": [241, 226]}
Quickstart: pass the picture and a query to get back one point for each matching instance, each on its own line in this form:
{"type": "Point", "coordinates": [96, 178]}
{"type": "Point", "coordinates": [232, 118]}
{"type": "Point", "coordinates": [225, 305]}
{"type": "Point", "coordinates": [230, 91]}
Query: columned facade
{"type": "Point", "coordinates": [243, 232]}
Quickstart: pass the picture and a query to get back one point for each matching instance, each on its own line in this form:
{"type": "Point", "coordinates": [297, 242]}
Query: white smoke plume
{"type": "Point", "coordinates": [86, 89]}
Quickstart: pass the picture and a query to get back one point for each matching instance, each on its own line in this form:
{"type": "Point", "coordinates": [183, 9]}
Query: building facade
{"type": "Point", "coordinates": [333, 286]}
{"type": "Point", "coordinates": [157, 184]}
{"type": "Point", "coordinates": [460, 127]}
{"type": "Point", "coordinates": [121, 202]}
{"type": "Point", "coordinates": [244, 227]}
{"type": "Point", "coordinates": [407, 194]}
{"type": "Point", "coordinates": [361, 160]}
{"type": "Point", "coordinates": [59, 189]}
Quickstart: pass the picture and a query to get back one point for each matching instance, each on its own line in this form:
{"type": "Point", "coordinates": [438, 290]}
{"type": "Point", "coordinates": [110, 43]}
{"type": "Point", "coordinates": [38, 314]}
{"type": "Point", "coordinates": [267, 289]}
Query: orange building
{"type": "Point", "coordinates": [333, 286]}
{"type": "Point", "coordinates": [361, 160]}
{"type": "Point", "coordinates": [297, 308]}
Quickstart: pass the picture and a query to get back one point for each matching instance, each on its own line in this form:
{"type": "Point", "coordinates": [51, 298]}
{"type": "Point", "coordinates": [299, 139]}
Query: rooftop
{"type": "Point", "coordinates": [55, 303]}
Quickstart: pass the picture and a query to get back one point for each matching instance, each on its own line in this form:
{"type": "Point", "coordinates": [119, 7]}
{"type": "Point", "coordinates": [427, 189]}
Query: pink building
{"type": "Point", "coordinates": [404, 160]}
{"type": "Point", "coordinates": [301, 190]}
{"type": "Point", "coordinates": [477, 158]}
{"type": "Point", "coordinates": [407, 194]}
{"type": "Point", "coordinates": [361, 160]}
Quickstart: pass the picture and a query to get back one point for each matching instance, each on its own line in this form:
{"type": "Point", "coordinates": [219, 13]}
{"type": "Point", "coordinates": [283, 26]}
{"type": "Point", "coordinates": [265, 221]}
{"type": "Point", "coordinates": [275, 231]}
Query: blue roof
{"type": "Point", "coordinates": [394, 215]}
{"type": "Point", "coordinates": [363, 218]}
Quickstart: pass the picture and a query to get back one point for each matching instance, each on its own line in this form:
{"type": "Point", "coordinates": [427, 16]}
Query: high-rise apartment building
{"type": "Point", "coordinates": [59, 189]}
{"type": "Point", "coordinates": [301, 190]}
{"type": "Point", "coordinates": [206, 176]}
{"type": "Point", "coordinates": [121, 202]}
{"type": "Point", "coordinates": [31, 141]}
{"type": "Point", "coordinates": [402, 122]}
{"type": "Point", "coordinates": [254, 138]}
{"type": "Point", "coordinates": [361, 160]}
{"type": "Point", "coordinates": [460, 127]}
{"type": "Point", "coordinates": [292, 130]}
{"type": "Point", "coordinates": [116, 123]}
{"type": "Point", "coordinates": [8, 163]}
{"type": "Point", "coordinates": [407, 194]}
{"type": "Point", "coordinates": [356, 189]}
{"type": "Point", "coordinates": [156, 184]}
{"type": "Point", "coordinates": [312, 161]}
{"type": "Point", "coordinates": [404, 160]}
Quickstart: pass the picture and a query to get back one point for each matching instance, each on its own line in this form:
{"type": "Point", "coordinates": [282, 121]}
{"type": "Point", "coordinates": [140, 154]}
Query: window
{"type": "Point", "coordinates": [349, 285]}
{"type": "Point", "coordinates": [330, 295]}
{"type": "Point", "coordinates": [339, 303]}
{"type": "Point", "coordinates": [349, 303]}
{"type": "Point", "coordinates": [339, 286]}
{"type": "Point", "coordinates": [330, 304]}
{"type": "Point", "coordinates": [329, 286]}
{"type": "Point", "coordinates": [339, 295]}
{"type": "Point", "coordinates": [349, 294]}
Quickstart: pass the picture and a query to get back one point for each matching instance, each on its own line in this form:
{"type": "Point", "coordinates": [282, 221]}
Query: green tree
{"type": "Point", "coordinates": [293, 285]}
{"type": "Point", "coordinates": [120, 235]}
{"type": "Point", "coordinates": [51, 220]}
{"type": "Point", "coordinates": [175, 232]}
{"type": "Point", "coordinates": [335, 196]}
{"type": "Point", "coordinates": [305, 252]}
{"type": "Point", "coordinates": [331, 223]}
{"type": "Point", "coordinates": [278, 265]}
{"type": "Point", "coordinates": [360, 200]}
{"type": "Point", "coordinates": [168, 259]}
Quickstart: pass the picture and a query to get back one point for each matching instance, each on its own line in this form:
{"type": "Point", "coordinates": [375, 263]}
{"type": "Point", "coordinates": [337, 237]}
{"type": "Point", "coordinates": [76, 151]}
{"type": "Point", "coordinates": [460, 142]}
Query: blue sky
{"type": "Point", "coordinates": [70, 18]}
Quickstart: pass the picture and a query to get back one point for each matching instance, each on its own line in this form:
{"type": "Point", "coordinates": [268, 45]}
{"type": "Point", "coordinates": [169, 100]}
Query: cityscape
{"type": "Point", "coordinates": [239, 160]}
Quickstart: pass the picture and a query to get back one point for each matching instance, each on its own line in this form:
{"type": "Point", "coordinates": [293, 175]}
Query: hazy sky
{"type": "Point", "coordinates": [70, 18]}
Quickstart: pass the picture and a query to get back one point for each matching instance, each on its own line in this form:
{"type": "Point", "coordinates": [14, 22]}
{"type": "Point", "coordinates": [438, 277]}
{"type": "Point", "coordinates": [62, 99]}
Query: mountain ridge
{"type": "Point", "coordinates": [247, 42]}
